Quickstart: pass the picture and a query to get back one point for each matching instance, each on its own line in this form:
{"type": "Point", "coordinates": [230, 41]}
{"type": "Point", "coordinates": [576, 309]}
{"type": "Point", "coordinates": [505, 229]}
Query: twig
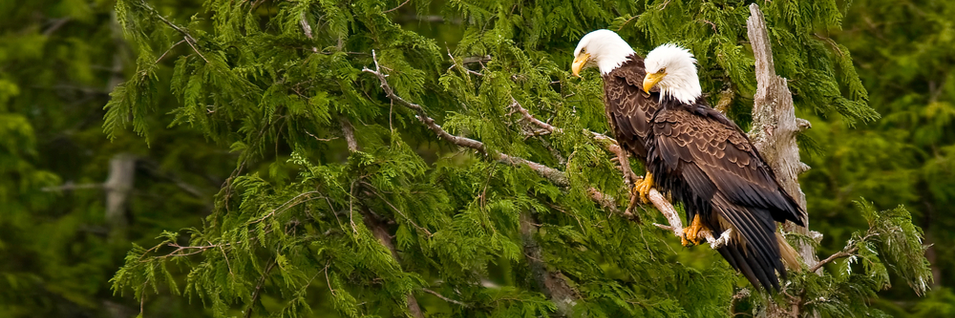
{"type": "Point", "coordinates": [606, 201]}
{"type": "Point", "coordinates": [330, 289]}
{"type": "Point", "coordinates": [189, 39]}
{"type": "Point", "coordinates": [167, 51]}
{"type": "Point", "coordinates": [57, 24]}
{"type": "Point", "coordinates": [845, 252]}
{"type": "Point", "coordinates": [833, 257]}
{"type": "Point", "coordinates": [70, 186]}
{"type": "Point", "coordinates": [609, 143]}
{"type": "Point", "coordinates": [258, 288]}
{"type": "Point", "coordinates": [445, 298]}
{"type": "Point", "coordinates": [396, 8]}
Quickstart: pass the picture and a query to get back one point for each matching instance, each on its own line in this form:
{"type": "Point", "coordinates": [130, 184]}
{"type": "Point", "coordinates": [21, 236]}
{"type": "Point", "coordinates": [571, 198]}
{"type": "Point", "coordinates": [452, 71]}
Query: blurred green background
{"type": "Point", "coordinates": [59, 60]}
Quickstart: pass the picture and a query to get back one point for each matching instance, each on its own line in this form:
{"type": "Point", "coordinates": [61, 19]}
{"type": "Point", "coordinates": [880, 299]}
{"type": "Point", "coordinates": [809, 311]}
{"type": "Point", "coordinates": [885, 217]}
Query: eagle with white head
{"type": "Point", "coordinates": [693, 153]}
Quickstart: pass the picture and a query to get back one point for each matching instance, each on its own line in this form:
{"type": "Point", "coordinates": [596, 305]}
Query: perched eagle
{"type": "Point", "coordinates": [694, 153]}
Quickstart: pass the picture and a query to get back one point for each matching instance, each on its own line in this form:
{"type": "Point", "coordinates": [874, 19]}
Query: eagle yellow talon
{"type": "Point", "coordinates": [642, 188]}
{"type": "Point", "coordinates": [692, 233]}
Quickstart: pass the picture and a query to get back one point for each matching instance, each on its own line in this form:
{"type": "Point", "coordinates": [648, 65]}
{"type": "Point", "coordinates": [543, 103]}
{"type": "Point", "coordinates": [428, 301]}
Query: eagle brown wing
{"type": "Point", "coordinates": [629, 109]}
{"type": "Point", "coordinates": [704, 160]}
{"type": "Point", "coordinates": [724, 160]}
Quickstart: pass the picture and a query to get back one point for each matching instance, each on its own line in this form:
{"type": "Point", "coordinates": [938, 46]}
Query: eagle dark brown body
{"type": "Point", "coordinates": [628, 108]}
{"type": "Point", "coordinates": [702, 159]}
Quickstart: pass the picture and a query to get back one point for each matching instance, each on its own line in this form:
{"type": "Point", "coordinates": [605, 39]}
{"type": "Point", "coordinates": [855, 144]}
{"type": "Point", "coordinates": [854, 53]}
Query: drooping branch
{"type": "Point", "coordinates": [556, 176]}
{"type": "Point", "coordinates": [775, 125]}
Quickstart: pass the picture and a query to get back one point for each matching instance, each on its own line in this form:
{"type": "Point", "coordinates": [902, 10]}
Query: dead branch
{"type": "Point", "coordinates": [775, 125]}
{"type": "Point", "coordinates": [436, 294]}
{"type": "Point", "coordinates": [554, 175]}
{"type": "Point", "coordinates": [835, 256]}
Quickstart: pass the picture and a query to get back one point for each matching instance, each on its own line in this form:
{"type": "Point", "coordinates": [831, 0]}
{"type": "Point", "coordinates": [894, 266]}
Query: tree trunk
{"type": "Point", "coordinates": [774, 131]}
{"type": "Point", "coordinates": [552, 284]}
{"type": "Point", "coordinates": [118, 186]}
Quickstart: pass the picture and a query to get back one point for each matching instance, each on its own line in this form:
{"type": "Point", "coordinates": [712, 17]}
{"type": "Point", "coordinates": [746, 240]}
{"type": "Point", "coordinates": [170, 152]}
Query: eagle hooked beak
{"type": "Point", "coordinates": [651, 80]}
{"type": "Point", "coordinates": [579, 63]}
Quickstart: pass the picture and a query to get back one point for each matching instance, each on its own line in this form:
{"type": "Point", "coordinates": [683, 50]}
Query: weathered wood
{"type": "Point", "coordinates": [118, 186]}
{"type": "Point", "coordinates": [774, 131]}
{"type": "Point", "coordinates": [775, 126]}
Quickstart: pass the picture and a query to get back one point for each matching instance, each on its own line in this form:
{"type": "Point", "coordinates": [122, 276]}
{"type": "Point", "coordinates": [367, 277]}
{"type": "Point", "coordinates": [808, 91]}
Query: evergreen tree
{"type": "Point", "coordinates": [381, 171]}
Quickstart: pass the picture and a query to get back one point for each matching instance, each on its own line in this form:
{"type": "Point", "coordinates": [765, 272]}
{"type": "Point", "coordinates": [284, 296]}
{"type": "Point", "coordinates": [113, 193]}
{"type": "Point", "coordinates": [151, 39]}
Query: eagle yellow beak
{"type": "Point", "coordinates": [651, 80]}
{"type": "Point", "coordinates": [579, 63]}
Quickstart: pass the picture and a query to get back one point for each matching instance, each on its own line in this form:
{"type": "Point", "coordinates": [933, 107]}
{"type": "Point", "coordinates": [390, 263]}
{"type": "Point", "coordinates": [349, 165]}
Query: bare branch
{"type": "Point", "coordinates": [168, 50]}
{"type": "Point", "coordinates": [837, 255]}
{"type": "Point", "coordinates": [661, 203]}
{"type": "Point", "coordinates": [396, 8]}
{"type": "Point", "coordinates": [552, 174]}
{"type": "Point", "coordinates": [71, 186]}
{"type": "Point", "coordinates": [606, 201]}
{"type": "Point", "coordinates": [445, 298]}
{"type": "Point", "coordinates": [608, 143]}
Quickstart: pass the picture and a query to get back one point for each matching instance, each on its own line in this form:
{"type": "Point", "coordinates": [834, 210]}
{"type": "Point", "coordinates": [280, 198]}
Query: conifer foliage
{"type": "Point", "coordinates": [384, 171]}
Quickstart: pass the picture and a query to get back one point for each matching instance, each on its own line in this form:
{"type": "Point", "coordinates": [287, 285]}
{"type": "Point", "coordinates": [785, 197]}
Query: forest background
{"type": "Point", "coordinates": [64, 236]}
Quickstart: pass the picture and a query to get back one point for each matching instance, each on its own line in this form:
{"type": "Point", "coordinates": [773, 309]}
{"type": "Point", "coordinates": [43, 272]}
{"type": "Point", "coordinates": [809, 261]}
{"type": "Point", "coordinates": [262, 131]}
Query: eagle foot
{"type": "Point", "coordinates": [692, 234]}
{"type": "Point", "coordinates": [642, 188]}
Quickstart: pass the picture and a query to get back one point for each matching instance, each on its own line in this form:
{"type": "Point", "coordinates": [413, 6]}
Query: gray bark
{"type": "Point", "coordinates": [775, 126]}
{"type": "Point", "coordinates": [118, 186]}
{"type": "Point", "coordinates": [774, 131]}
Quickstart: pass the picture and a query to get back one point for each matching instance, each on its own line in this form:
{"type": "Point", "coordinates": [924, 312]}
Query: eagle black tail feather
{"type": "Point", "coordinates": [755, 270]}
{"type": "Point", "coordinates": [755, 252]}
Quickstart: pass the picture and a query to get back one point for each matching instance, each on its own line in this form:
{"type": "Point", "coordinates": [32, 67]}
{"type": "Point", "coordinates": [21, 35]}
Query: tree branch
{"type": "Point", "coordinates": [837, 255]}
{"type": "Point", "coordinates": [445, 298]}
{"type": "Point", "coordinates": [554, 175]}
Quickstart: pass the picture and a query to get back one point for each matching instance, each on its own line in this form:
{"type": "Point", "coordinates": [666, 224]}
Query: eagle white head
{"type": "Point", "coordinates": [602, 48]}
{"type": "Point", "coordinates": [673, 69]}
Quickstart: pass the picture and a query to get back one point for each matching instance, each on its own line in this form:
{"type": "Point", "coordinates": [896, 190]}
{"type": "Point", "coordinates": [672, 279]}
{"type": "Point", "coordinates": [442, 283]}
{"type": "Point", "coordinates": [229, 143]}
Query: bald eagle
{"type": "Point", "coordinates": [694, 154]}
